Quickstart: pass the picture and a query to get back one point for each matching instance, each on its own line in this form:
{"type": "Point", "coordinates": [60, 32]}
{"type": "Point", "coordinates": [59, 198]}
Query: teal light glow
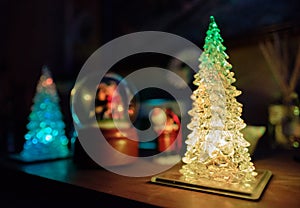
{"type": "Point", "coordinates": [27, 136]}
{"type": "Point", "coordinates": [64, 140]}
{"type": "Point", "coordinates": [43, 124]}
{"type": "Point", "coordinates": [148, 145]}
{"type": "Point", "coordinates": [45, 138]}
{"type": "Point", "coordinates": [43, 105]}
{"type": "Point", "coordinates": [54, 132]}
{"type": "Point", "coordinates": [48, 130]}
{"type": "Point", "coordinates": [39, 135]}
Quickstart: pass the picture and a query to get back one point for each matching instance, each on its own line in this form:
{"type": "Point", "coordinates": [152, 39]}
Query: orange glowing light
{"type": "Point", "coordinates": [49, 81]}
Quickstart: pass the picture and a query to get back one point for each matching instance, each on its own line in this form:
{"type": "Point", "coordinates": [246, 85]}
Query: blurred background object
{"type": "Point", "coordinates": [112, 100]}
{"type": "Point", "coordinates": [253, 134]}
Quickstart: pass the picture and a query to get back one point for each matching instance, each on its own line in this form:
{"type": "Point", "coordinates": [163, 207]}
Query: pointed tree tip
{"type": "Point", "coordinates": [46, 71]}
{"type": "Point", "coordinates": [45, 67]}
{"type": "Point", "coordinates": [212, 19]}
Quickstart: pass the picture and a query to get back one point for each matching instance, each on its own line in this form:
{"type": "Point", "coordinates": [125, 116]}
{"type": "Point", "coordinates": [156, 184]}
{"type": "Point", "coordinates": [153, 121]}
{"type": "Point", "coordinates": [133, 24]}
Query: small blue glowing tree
{"type": "Point", "coordinates": [45, 138]}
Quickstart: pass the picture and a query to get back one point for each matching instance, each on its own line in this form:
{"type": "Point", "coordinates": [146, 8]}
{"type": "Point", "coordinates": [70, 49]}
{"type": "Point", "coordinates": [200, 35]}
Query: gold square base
{"type": "Point", "coordinates": [252, 191]}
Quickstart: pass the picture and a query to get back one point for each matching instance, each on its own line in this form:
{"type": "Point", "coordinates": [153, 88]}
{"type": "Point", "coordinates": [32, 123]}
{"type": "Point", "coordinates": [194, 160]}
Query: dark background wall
{"type": "Point", "coordinates": [64, 33]}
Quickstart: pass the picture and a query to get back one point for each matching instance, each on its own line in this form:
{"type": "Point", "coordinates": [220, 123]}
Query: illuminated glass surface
{"type": "Point", "coordinates": [216, 148]}
{"type": "Point", "coordinates": [45, 138]}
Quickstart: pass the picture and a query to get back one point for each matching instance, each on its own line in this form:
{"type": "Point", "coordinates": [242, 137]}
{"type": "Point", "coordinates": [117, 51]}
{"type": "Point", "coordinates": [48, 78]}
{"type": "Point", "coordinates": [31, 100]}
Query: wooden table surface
{"type": "Point", "coordinates": [282, 191]}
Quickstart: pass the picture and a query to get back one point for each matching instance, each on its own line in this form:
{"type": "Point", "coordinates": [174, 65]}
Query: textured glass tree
{"type": "Point", "coordinates": [46, 135]}
{"type": "Point", "coordinates": [216, 149]}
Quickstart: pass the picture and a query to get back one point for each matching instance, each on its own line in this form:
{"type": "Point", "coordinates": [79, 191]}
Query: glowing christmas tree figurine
{"type": "Point", "coordinates": [46, 136]}
{"type": "Point", "coordinates": [216, 148]}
